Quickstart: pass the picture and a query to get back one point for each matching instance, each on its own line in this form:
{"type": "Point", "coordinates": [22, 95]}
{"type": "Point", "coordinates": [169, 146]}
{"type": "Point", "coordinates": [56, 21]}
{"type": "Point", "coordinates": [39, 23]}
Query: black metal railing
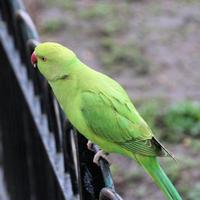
{"type": "Point", "coordinates": [43, 156]}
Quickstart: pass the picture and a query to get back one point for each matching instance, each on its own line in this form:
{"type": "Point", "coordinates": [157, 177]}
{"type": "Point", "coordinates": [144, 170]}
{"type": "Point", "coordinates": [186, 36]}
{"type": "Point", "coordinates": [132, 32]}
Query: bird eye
{"type": "Point", "coordinates": [44, 59]}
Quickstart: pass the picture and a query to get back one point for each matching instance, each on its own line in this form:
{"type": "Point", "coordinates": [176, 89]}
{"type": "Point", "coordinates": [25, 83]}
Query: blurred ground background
{"type": "Point", "coordinates": [151, 48]}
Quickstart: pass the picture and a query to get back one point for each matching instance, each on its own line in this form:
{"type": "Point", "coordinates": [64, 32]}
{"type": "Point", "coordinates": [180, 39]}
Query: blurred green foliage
{"type": "Point", "coordinates": [110, 28]}
{"type": "Point", "coordinates": [193, 193]}
{"type": "Point", "coordinates": [117, 56]}
{"type": "Point", "coordinates": [173, 122]}
{"type": "Point", "coordinates": [183, 119]}
{"type": "Point", "coordinates": [151, 111]}
{"type": "Point", "coordinates": [62, 4]}
{"type": "Point", "coordinates": [195, 145]}
{"type": "Point", "coordinates": [109, 25]}
{"type": "Point", "coordinates": [53, 26]}
{"type": "Point", "coordinates": [97, 10]}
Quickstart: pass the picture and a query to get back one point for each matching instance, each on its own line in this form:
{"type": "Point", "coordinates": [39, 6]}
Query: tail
{"type": "Point", "coordinates": [153, 168]}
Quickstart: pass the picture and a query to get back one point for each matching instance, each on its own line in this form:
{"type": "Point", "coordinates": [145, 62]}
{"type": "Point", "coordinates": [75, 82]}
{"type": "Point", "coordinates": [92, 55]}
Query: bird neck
{"type": "Point", "coordinates": [73, 66]}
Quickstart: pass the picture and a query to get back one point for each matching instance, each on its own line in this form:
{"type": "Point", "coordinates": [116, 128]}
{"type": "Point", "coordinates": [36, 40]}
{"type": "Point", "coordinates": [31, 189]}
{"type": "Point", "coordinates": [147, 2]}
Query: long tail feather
{"type": "Point", "coordinates": [153, 168]}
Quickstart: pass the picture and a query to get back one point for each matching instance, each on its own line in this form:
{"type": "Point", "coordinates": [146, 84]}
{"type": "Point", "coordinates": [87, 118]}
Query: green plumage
{"type": "Point", "coordinates": [152, 167]}
{"type": "Point", "coordinates": [102, 111]}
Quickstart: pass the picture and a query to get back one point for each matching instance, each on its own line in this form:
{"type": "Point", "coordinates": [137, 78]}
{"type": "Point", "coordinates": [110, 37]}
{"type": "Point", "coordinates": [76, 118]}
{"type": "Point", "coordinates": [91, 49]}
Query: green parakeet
{"type": "Point", "coordinates": [100, 109]}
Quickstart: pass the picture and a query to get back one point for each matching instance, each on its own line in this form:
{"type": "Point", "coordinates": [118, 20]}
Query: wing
{"type": "Point", "coordinates": [113, 117]}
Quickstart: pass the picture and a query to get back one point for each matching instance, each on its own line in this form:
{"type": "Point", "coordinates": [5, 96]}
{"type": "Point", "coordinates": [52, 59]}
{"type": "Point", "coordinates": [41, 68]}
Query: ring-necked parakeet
{"type": "Point", "coordinates": [100, 109]}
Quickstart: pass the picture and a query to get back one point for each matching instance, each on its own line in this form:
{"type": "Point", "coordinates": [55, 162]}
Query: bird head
{"type": "Point", "coordinates": [53, 60]}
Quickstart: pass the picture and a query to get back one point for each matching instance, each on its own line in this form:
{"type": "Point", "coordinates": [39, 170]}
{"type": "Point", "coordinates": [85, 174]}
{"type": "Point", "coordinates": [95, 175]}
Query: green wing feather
{"type": "Point", "coordinates": [113, 117]}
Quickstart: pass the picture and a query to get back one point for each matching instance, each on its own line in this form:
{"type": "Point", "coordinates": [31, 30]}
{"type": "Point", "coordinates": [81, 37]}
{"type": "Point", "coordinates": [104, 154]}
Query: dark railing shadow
{"type": "Point", "coordinates": [43, 156]}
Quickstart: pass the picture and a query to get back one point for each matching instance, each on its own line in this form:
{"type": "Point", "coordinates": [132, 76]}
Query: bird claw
{"type": "Point", "coordinates": [90, 145]}
{"type": "Point", "coordinates": [101, 154]}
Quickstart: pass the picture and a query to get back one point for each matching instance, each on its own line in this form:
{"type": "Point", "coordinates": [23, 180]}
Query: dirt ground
{"type": "Point", "coordinates": [165, 36]}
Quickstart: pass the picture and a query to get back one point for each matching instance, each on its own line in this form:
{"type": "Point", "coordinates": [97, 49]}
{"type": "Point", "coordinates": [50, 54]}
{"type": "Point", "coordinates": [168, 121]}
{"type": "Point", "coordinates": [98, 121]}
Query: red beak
{"type": "Point", "coordinates": [34, 59]}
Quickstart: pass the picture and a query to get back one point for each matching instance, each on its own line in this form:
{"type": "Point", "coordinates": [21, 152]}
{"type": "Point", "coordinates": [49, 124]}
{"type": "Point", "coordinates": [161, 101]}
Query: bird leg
{"type": "Point", "coordinates": [90, 145]}
{"type": "Point", "coordinates": [101, 154]}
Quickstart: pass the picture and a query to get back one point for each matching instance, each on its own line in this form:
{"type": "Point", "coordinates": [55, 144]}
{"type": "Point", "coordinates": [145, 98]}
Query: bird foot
{"type": "Point", "coordinates": [101, 154]}
{"type": "Point", "coordinates": [90, 145]}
